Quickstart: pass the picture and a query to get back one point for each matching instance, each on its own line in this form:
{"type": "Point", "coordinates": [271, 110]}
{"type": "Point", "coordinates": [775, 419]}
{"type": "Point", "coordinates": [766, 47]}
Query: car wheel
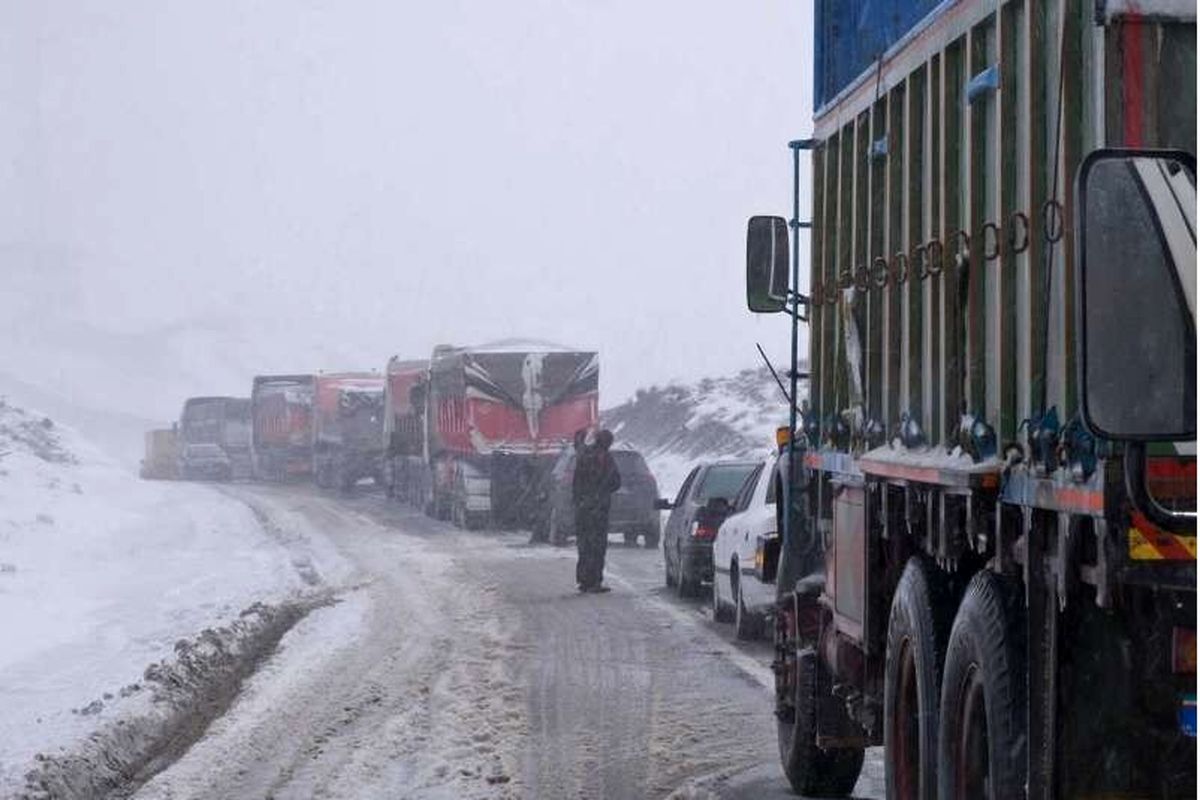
{"type": "Point", "coordinates": [558, 536]}
{"type": "Point", "coordinates": [720, 609]}
{"type": "Point", "coordinates": [650, 540]}
{"type": "Point", "coordinates": [668, 572]}
{"type": "Point", "coordinates": [746, 625]}
{"type": "Point", "coordinates": [631, 539]}
{"type": "Point", "coordinates": [685, 584]}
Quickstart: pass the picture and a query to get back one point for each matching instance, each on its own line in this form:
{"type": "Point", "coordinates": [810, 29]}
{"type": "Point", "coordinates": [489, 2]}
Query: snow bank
{"type": "Point", "coordinates": [677, 425]}
{"type": "Point", "coordinates": [102, 573]}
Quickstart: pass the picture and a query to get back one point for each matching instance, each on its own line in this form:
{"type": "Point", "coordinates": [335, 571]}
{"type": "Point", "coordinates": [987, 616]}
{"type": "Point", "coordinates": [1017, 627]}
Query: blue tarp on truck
{"type": "Point", "coordinates": [851, 35]}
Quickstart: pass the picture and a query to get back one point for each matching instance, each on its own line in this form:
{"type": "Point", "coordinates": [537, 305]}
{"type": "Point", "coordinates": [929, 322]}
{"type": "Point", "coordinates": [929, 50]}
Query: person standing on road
{"type": "Point", "coordinates": [596, 478]}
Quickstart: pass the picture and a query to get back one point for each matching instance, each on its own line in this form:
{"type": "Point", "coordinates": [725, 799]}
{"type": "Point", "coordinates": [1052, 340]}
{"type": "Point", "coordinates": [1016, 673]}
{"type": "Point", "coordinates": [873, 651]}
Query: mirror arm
{"type": "Point", "coordinates": [1143, 500]}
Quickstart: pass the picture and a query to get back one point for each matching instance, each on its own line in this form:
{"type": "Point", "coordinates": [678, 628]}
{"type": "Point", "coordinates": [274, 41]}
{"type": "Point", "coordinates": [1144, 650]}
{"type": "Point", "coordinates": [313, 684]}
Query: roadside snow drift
{"type": "Point", "coordinates": [677, 425]}
{"type": "Point", "coordinates": [101, 574]}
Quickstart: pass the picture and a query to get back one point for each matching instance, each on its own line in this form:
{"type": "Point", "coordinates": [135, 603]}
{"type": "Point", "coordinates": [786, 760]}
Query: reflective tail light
{"type": "Point", "coordinates": [1183, 651]}
{"type": "Point", "coordinates": [703, 530]}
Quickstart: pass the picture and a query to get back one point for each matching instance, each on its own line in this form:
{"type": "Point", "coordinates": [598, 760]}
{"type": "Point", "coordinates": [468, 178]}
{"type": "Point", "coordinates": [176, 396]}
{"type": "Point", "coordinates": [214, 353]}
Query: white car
{"type": "Point", "coordinates": [739, 595]}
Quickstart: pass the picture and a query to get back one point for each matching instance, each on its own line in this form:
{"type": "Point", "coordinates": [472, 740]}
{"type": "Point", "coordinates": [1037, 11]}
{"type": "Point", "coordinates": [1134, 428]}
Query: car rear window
{"type": "Point", "coordinates": [723, 480]}
{"type": "Point", "coordinates": [630, 464]}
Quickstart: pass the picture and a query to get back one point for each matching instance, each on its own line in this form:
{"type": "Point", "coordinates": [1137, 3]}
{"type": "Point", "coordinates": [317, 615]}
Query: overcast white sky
{"type": "Point", "coordinates": [294, 184]}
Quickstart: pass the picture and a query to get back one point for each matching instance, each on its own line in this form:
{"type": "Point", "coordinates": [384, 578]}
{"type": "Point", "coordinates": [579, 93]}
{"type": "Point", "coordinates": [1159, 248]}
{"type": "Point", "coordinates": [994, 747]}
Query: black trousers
{"type": "Point", "coordinates": [591, 540]}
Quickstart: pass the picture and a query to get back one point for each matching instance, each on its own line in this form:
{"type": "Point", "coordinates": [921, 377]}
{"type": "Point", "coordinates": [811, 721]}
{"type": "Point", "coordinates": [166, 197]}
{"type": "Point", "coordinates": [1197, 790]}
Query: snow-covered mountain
{"type": "Point", "coordinates": [677, 424]}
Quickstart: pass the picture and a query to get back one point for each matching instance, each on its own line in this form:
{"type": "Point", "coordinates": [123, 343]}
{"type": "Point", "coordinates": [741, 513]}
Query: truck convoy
{"type": "Point", "coordinates": [282, 426]}
{"type": "Point", "coordinates": [490, 421]}
{"type": "Point", "coordinates": [347, 429]}
{"type": "Point", "coordinates": [988, 563]}
{"type": "Point", "coordinates": [220, 421]}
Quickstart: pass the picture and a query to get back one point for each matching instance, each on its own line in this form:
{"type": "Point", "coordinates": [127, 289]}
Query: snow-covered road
{"type": "Point", "coordinates": [466, 665]}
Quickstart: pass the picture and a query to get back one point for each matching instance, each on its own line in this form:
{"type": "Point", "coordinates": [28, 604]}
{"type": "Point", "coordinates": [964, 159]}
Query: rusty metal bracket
{"type": "Point", "coordinates": [900, 267]}
{"type": "Point", "coordinates": [1053, 222]}
{"type": "Point", "coordinates": [862, 278]}
{"type": "Point", "coordinates": [933, 263]}
{"type": "Point", "coordinates": [993, 252]}
{"type": "Point", "coordinates": [879, 271]}
{"type": "Point", "coordinates": [962, 254]}
{"type": "Point", "coordinates": [1016, 245]}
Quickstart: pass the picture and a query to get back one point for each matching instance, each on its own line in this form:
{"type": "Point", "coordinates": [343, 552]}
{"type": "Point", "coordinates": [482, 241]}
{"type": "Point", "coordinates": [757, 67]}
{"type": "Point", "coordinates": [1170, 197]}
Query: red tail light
{"type": "Point", "coordinates": [1183, 651]}
{"type": "Point", "coordinates": [703, 530]}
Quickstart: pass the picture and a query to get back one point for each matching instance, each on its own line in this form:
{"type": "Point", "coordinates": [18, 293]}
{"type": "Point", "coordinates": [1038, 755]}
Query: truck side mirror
{"type": "Point", "coordinates": [767, 252]}
{"type": "Point", "coordinates": [1136, 294]}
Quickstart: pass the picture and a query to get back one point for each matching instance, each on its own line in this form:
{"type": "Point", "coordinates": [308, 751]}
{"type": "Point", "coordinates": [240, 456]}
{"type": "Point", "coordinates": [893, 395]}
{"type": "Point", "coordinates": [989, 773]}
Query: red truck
{"type": "Point", "coordinates": [490, 420]}
{"type": "Point", "coordinates": [281, 426]}
{"type": "Point", "coordinates": [405, 468]}
{"type": "Point", "coordinates": [347, 429]}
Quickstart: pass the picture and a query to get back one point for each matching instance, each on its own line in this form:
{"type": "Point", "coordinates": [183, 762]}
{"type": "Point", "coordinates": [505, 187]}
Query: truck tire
{"type": "Point", "coordinates": [650, 539]}
{"type": "Point", "coordinates": [668, 573]}
{"type": "Point", "coordinates": [981, 742]}
{"type": "Point", "coordinates": [812, 770]}
{"type": "Point", "coordinates": [631, 539]}
{"type": "Point", "coordinates": [912, 681]}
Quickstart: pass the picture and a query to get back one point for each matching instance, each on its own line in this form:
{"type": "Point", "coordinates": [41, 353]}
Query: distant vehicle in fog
{"type": "Point", "coordinates": [633, 512]}
{"type": "Point", "coordinates": [348, 442]}
{"type": "Point", "coordinates": [494, 418]}
{"type": "Point", "coordinates": [206, 461]}
{"type": "Point", "coordinates": [281, 426]}
{"type": "Point", "coordinates": [223, 421]}
{"type": "Point", "coordinates": [161, 459]}
{"type": "Point", "coordinates": [704, 501]}
{"type": "Point", "coordinates": [744, 554]}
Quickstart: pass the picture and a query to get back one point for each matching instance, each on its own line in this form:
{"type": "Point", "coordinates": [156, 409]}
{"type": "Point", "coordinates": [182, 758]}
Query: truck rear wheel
{"type": "Point", "coordinates": [912, 685]}
{"type": "Point", "coordinates": [812, 770]}
{"type": "Point", "coordinates": [981, 744]}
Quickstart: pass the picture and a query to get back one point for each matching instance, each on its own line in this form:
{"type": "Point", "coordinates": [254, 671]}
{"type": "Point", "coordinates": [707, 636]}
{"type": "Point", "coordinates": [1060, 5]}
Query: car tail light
{"type": "Point", "coordinates": [703, 530]}
{"type": "Point", "coordinates": [1183, 650]}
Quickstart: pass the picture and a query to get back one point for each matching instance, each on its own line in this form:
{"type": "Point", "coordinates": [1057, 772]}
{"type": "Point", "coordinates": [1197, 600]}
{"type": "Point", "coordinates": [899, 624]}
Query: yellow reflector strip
{"type": "Point", "coordinates": [1160, 546]}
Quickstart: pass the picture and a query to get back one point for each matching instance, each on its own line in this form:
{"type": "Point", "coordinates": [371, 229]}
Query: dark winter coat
{"type": "Point", "coordinates": [596, 478]}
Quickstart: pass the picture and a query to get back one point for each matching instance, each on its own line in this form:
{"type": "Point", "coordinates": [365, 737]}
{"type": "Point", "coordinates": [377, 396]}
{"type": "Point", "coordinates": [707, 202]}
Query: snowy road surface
{"type": "Point", "coordinates": [466, 665]}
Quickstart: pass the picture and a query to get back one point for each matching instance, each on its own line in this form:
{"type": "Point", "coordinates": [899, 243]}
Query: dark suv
{"type": "Point", "coordinates": [705, 499]}
{"type": "Point", "coordinates": [632, 513]}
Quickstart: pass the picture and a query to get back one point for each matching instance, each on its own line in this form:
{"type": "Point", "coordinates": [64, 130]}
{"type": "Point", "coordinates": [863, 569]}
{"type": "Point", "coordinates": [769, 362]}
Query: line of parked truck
{"type": "Point", "coordinates": [477, 435]}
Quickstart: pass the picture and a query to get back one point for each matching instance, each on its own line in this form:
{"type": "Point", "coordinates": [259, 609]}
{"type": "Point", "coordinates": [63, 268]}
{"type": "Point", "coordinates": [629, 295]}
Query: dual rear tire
{"type": "Point", "coordinates": [953, 696]}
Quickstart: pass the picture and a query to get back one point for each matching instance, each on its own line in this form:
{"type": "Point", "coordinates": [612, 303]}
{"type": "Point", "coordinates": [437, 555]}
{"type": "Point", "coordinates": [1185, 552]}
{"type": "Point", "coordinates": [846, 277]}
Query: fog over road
{"type": "Point", "coordinates": [466, 665]}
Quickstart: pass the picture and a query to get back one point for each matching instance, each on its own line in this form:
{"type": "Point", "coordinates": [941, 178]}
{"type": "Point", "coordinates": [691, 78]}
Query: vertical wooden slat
{"type": "Point", "coordinates": [953, 97]}
{"type": "Point", "coordinates": [862, 126]}
{"type": "Point", "coordinates": [1037, 169]}
{"type": "Point", "coordinates": [914, 225]}
{"type": "Point", "coordinates": [844, 261]}
{"type": "Point", "coordinates": [833, 166]}
{"type": "Point", "coordinates": [876, 223]}
{"type": "Point", "coordinates": [932, 284]}
{"type": "Point", "coordinates": [1006, 125]}
{"type": "Point", "coordinates": [894, 242]}
{"type": "Point", "coordinates": [976, 297]}
{"type": "Point", "coordinates": [816, 313]}
{"type": "Point", "coordinates": [1072, 149]}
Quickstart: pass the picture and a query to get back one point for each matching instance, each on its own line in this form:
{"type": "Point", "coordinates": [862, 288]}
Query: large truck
{"type": "Point", "coordinates": [281, 416]}
{"type": "Point", "coordinates": [988, 560]}
{"type": "Point", "coordinates": [222, 421]}
{"type": "Point", "coordinates": [161, 458]}
{"type": "Point", "coordinates": [407, 475]}
{"type": "Point", "coordinates": [348, 442]}
{"type": "Point", "coordinates": [495, 418]}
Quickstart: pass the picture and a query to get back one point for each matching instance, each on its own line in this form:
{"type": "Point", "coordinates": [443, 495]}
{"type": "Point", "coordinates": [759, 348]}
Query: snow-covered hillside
{"type": "Point", "coordinates": [101, 574]}
{"type": "Point", "coordinates": [677, 425]}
